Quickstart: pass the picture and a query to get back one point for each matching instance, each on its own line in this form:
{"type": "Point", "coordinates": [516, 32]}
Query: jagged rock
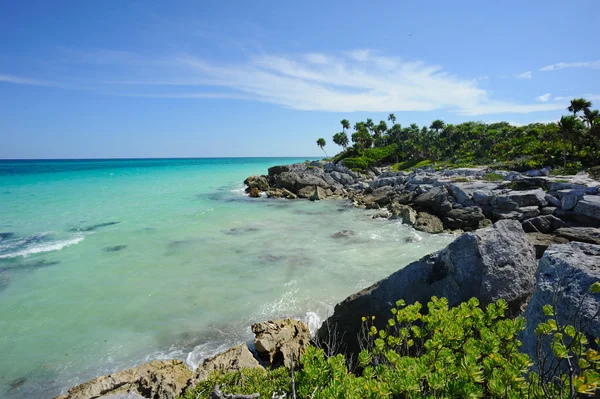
{"type": "Point", "coordinates": [482, 197]}
{"type": "Point", "coordinates": [382, 214]}
{"type": "Point", "coordinates": [255, 193]}
{"type": "Point", "coordinates": [342, 178]}
{"type": "Point", "coordinates": [542, 224]}
{"type": "Point", "coordinates": [564, 277]}
{"type": "Point", "coordinates": [403, 212]}
{"type": "Point", "coordinates": [589, 206]}
{"type": "Point", "coordinates": [159, 379]}
{"type": "Point", "coordinates": [306, 192]}
{"type": "Point", "coordinates": [428, 223]}
{"type": "Point", "coordinates": [521, 198]}
{"type": "Point", "coordinates": [501, 214]}
{"type": "Point", "coordinates": [529, 212]}
{"type": "Point", "coordinates": [541, 242]}
{"type": "Point", "coordinates": [233, 359]}
{"type": "Point", "coordinates": [277, 170]}
{"type": "Point", "coordinates": [281, 193]}
{"type": "Point", "coordinates": [555, 187]}
{"type": "Point", "coordinates": [379, 196]}
{"type": "Point", "coordinates": [435, 199]}
{"type": "Point", "coordinates": [318, 194]}
{"type": "Point", "coordinates": [547, 210]}
{"type": "Point", "coordinates": [489, 264]}
{"type": "Point", "coordinates": [279, 341]}
{"type": "Point", "coordinates": [467, 218]}
{"type": "Point", "coordinates": [384, 181]}
{"type": "Point", "coordinates": [259, 182]}
{"type": "Point", "coordinates": [552, 200]}
{"type": "Point", "coordinates": [568, 202]}
{"type": "Point", "coordinates": [294, 181]}
{"type": "Point", "coordinates": [590, 235]}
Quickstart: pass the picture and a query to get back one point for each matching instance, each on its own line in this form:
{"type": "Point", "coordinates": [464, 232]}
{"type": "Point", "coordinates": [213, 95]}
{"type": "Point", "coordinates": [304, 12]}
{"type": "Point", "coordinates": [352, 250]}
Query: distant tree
{"type": "Point", "coordinates": [449, 131]}
{"type": "Point", "coordinates": [579, 104]}
{"type": "Point", "coordinates": [345, 125]}
{"type": "Point", "coordinates": [566, 127]}
{"type": "Point", "coordinates": [362, 138]}
{"type": "Point", "coordinates": [437, 125]}
{"type": "Point", "coordinates": [370, 125]}
{"type": "Point", "coordinates": [392, 118]}
{"type": "Point", "coordinates": [591, 116]}
{"type": "Point", "coordinates": [341, 139]}
{"type": "Point", "coordinates": [321, 143]}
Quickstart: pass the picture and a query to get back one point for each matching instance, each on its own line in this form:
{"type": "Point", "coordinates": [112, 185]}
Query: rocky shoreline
{"type": "Point", "coordinates": [508, 224]}
{"type": "Point", "coordinates": [551, 209]}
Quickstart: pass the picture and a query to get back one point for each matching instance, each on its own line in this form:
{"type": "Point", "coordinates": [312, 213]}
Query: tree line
{"type": "Point", "coordinates": [572, 142]}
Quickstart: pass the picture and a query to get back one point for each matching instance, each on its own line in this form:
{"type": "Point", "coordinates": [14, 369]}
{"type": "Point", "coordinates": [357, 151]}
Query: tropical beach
{"type": "Point", "coordinates": [316, 200]}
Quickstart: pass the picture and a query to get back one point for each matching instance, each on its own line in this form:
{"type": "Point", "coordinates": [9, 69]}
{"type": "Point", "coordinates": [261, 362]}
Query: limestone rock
{"type": "Point", "coordinates": [278, 341]}
{"type": "Point", "coordinates": [467, 218]}
{"type": "Point", "coordinates": [542, 224]}
{"type": "Point", "coordinates": [343, 234]}
{"type": "Point", "coordinates": [524, 198]}
{"type": "Point", "coordinates": [318, 194]}
{"type": "Point", "coordinates": [164, 379]}
{"type": "Point", "coordinates": [233, 359]}
{"type": "Point", "coordinates": [435, 199]}
{"type": "Point", "coordinates": [255, 193]}
{"type": "Point", "coordinates": [564, 277]}
{"type": "Point", "coordinates": [568, 202]}
{"type": "Point", "coordinates": [428, 223]}
{"type": "Point", "coordinates": [259, 182]}
{"type": "Point", "coordinates": [404, 212]}
{"type": "Point", "coordinates": [489, 264]}
{"type": "Point", "coordinates": [306, 192]}
{"type": "Point", "coordinates": [589, 206]}
{"type": "Point", "coordinates": [590, 235]}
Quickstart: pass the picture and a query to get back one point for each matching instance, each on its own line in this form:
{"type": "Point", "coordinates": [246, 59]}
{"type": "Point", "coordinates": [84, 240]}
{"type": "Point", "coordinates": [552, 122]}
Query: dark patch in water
{"type": "Point", "coordinates": [271, 258]}
{"type": "Point", "coordinates": [237, 231]}
{"type": "Point", "coordinates": [278, 206]}
{"type": "Point", "coordinates": [93, 227]}
{"type": "Point", "coordinates": [14, 265]}
{"type": "Point", "coordinates": [116, 248]}
{"type": "Point", "coordinates": [312, 213]}
{"type": "Point", "coordinates": [4, 280]}
{"type": "Point", "coordinates": [4, 236]}
{"type": "Point", "coordinates": [411, 239]}
{"type": "Point", "coordinates": [15, 384]}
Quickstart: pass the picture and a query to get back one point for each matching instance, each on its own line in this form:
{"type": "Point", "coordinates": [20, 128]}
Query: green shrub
{"type": "Point", "coordinates": [360, 163]}
{"type": "Point", "coordinates": [492, 177]}
{"type": "Point", "coordinates": [410, 164]}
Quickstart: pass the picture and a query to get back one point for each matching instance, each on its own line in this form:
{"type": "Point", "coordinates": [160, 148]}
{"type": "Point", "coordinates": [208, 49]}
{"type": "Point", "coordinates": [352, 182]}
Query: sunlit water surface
{"type": "Point", "coordinates": [108, 264]}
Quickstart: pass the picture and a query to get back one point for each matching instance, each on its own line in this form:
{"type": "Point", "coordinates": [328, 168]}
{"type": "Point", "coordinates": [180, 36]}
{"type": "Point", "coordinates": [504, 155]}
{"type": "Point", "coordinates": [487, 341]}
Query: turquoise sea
{"type": "Point", "coordinates": [106, 264]}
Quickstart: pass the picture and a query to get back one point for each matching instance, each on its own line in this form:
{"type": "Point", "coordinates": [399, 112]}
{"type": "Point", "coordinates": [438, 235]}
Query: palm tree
{"type": "Point", "coordinates": [392, 118]}
{"type": "Point", "coordinates": [321, 143]}
{"type": "Point", "coordinates": [437, 125]}
{"type": "Point", "coordinates": [345, 124]}
{"type": "Point", "coordinates": [369, 125]}
{"type": "Point", "coordinates": [566, 126]}
{"type": "Point", "coordinates": [449, 130]}
{"type": "Point", "coordinates": [590, 116]}
{"type": "Point", "coordinates": [578, 104]}
{"type": "Point", "coordinates": [341, 139]}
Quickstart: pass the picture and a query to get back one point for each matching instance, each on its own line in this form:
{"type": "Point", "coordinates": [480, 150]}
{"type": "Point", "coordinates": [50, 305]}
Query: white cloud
{"type": "Point", "coordinates": [360, 80]}
{"type": "Point", "coordinates": [565, 65]}
{"type": "Point", "coordinates": [544, 97]}
{"type": "Point", "coordinates": [524, 75]}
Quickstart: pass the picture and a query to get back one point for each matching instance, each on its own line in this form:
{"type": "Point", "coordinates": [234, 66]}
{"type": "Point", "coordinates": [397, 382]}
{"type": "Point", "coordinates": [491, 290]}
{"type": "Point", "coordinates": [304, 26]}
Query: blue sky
{"type": "Point", "coordinates": [267, 78]}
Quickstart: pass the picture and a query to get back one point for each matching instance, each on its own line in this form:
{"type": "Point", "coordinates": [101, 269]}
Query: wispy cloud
{"type": "Point", "coordinates": [359, 80]}
{"type": "Point", "coordinates": [19, 80]}
{"type": "Point", "coordinates": [565, 65]}
{"type": "Point", "coordinates": [524, 75]}
{"type": "Point", "coordinates": [544, 97]}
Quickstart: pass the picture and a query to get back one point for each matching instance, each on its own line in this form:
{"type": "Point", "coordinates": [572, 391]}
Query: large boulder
{"type": "Point", "coordinates": [342, 178]}
{"type": "Point", "coordinates": [564, 276]}
{"type": "Point", "coordinates": [522, 198]}
{"type": "Point", "coordinates": [164, 379]}
{"type": "Point", "coordinates": [542, 224]}
{"type": "Point", "coordinates": [404, 213]}
{"type": "Point", "coordinates": [277, 170]}
{"type": "Point", "coordinates": [294, 181]}
{"type": "Point", "coordinates": [435, 199]}
{"type": "Point", "coordinates": [279, 341]}
{"type": "Point", "coordinates": [489, 264]}
{"type": "Point", "coordinates": [233, 359]}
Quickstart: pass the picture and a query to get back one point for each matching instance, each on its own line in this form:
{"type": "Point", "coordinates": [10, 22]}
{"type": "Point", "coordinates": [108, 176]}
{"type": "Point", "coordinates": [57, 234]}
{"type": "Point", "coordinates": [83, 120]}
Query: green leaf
{"type": "Point", "coordinates": [595, 288]}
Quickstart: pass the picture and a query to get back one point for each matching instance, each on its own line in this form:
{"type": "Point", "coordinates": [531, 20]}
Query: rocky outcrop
{"type": "Point", "coordinates": [428, 223]}
{"type": "Point", "coordinates": [234, 359]}
{"type": "Point", "coordinates": [165, 379]}
{"type": "Point", "coordinates": [278, 342]}
{"type": "Point", "coordinates": [254, 193]}
{"type": "Point", "coordinates": [590, 235]}
{"type": "Point", "coordinates": [564, 276]}
{"type": "Point", "coordinates": [259, 182]}
{"type": "Point", "coordinates": [489, 264]}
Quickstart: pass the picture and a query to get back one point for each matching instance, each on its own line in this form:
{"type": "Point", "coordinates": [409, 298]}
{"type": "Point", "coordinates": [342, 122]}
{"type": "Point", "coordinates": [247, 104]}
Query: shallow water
{"type": "Point", "coordinates": [107, 264]}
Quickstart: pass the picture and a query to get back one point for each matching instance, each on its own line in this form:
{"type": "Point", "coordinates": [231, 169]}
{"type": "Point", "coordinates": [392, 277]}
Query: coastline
{"type": "Point", "coordinates": [363, 192]}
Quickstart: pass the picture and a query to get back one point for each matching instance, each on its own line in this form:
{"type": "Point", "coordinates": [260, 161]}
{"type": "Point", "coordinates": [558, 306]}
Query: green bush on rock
{"type": "Point", "coordinates": [460, 352]}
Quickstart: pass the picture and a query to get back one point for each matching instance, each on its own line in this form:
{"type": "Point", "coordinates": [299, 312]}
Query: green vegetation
{"type": "Point", "coordinates": [571, 144]}
{"type": "Point", "coordinates": [492, 177]}
{"type": "Point", "coordinates": [460, 352]}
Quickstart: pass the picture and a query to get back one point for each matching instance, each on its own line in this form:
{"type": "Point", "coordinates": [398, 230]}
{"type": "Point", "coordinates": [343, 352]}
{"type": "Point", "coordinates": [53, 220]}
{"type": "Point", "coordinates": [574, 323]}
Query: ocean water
{"type": "Point", "coordinates": [107, 264]}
